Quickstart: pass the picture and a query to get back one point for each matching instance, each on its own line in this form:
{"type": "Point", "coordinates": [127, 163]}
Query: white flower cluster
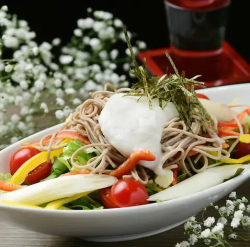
{"type": "Point", "coordinates": [34, 85]}
{"type": "Point", "coordinates": [234, 215]}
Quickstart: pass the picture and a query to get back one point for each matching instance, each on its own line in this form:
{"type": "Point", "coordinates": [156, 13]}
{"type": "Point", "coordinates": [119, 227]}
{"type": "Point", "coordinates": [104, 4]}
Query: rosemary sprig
{"type": "Point", "coordinates": [173, 88]}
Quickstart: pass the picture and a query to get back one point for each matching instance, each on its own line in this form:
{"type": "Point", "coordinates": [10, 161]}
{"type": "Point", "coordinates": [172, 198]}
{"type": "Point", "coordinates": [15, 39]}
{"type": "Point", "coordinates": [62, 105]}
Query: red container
{"type": "Point", "coordinates": [226, 68]}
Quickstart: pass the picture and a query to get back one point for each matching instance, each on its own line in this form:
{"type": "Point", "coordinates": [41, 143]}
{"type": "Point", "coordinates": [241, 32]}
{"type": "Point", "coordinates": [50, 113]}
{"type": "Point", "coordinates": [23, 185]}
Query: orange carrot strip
{"type": "Point", "coordinates": [75, 173]}
{"type": "Point", "coordinates": [192, 153]}
{"type": "Point", "coordinates": [227, 132]}
{"type": "Point", "coordinates": [224, 145]}
{"type": "Point", "coordinates": [131, 162]}
{"type": "Point", "coordinates": [9, 187]}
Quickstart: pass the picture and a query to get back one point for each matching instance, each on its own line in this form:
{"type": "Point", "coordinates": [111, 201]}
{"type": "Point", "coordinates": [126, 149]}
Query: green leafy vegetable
{"type": "Point", "coordinates": [152, 188]}
{"type": "Point", "coordinates": [5, 178]}
{"type": "Point", "coordinates": [91, 201]}
{"type": "Point", "coordinates": [237, 173]}
{"type": "Point", "coordinates": [182, 177]}
{"type": "Point", "coordinates": [170, 88]}
{"type": "Point", "coordinates": [83, 156]}
{"type": "Point", "coordinates": [246, 126]}
{"type": "Point", "coordinates": [58, 168]}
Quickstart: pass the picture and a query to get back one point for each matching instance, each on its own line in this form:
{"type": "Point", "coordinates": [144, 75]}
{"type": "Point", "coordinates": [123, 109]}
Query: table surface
{"type": "Point", "coordinates": [11, 236]}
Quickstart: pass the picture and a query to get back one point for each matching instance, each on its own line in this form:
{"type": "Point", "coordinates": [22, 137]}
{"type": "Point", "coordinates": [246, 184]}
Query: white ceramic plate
{"type": "Point", "coordinates": [124, 223]}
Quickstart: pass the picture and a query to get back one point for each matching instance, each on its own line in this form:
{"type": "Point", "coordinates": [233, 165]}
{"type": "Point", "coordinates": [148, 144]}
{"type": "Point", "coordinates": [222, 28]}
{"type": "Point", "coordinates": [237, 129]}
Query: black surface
{"type": "Point", "coordinates": [57, 18]}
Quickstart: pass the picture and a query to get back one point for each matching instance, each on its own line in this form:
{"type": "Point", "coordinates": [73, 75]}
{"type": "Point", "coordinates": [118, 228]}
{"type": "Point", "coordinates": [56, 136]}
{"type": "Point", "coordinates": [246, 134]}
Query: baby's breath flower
{"type": "Point", "coordinates": [118, 23]}
{"type": "Point", "coordinates": [65, 59]}
{"type": "Point", "coordinates": [232, 236]}
{"type": "Point", "coordinates": [15, 118]}
{"type": "Point", "coordinates": [56, 41]}
{"type": "Point", "coordinates": [44, 107]}
{"type": "Point", "coordinates": [14, 139]}
{"type": "Point", "coordinates": [235, 222]}
{"type": "Point", "coordinates": [78, 32]}
{"type": "Point", "coordinates": [94, 42]}
{"type": "Point", "coordinates": [4, 8]}
{"type": "Point", "coordinates": [207, 241]}
{"type": "Point", "coordinates": [70, 90]}
{"type": "Point", "coordinates": [10, 42]}
{"type": "Point", "coordinates": [8, 68]}
{"type": "Point", "coordinates": [238, 214]}
{"type": "Point", "coordinates": [141, 45]}
{"type": "Point", "coordinates": [222, 220]}
{"type": "Point", "coordinates": [59, 114]}
{"type": "Point", "coordinates": [39, 85]}
{"type": "Point", "coordinates": [245, 221]}
{"type": "Point", "coordinates": [77, 101]}
{"type": "Point", "coordinates": [86, 40]}
{"type": "Point", "coordinates": [244, 199]}
{"type": "Point", "coordinates": [183, 244]}
{"type": "Point", "coordinates": [205, 234]}
{"type": "Point", "coordinates": [193, 239]}
{"type": "Point", "coordinates": [57, 82]}
{"type": "Point", "coordinates": [209, 221]}
{"type": "Point", "coordinates": [60, 101]}
{"type": "Point", "coordinates": [242, 206]}
{"type": "Point", "coordinates": [103, 55]}
{"type": "Point", "coordinates": [114, 54]}
{"type": "Point", "coordinates": [218, 228]}
{"type": "Point", "coordinates": [232, 195]}
{"type": "Point", "coordinates": [24, 85]}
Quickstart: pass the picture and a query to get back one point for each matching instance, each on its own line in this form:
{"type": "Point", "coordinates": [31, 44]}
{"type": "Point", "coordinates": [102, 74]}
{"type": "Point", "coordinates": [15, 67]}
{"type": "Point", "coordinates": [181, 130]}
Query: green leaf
{"type": "Point", "coordinates": [83, 156]}
{"type": "Point", "coordinates": [5, 177]}
{"type": "Point", "coordinates": [246, 126]}
{"type": "Point", "coordinates": [58, 168]}
{"type": "Point", "coordinates": [88, 202]}
{"type": "Point", "coordinates": [237, 173]}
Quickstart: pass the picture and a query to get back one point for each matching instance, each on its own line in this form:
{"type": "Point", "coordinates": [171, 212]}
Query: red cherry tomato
{"type": "Point", "coordinates": [243, 149]}
{"type": "Point", "coordinates": [128, 192]}
{"type": "Point", "coordinates": [20, 157]}
{"type": "Point", "coordinates": [24, 154]}
{"type": "Point", "coordinates": [105, 196]}
{"type": "Point", "coordinates": [202, 96]}
{"type": "Point", "coordinates": [39, 173]}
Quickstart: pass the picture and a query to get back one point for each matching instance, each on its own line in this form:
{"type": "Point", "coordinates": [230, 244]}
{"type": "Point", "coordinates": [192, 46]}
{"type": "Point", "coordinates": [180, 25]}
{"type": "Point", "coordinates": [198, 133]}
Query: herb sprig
{"type": "Point", "coordinates": [173, 88]}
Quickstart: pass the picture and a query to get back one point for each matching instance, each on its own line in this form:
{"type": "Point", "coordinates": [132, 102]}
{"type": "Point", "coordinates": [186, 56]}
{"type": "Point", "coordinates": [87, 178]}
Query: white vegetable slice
{"type": "Point", "coordinates": [165, 180]}
{"type": "Point", "coordinates": [220, 111]}
{"type": "Point", "coordinates": [58, 188]}
{"type": "Point", "coordinates": [207, 179]}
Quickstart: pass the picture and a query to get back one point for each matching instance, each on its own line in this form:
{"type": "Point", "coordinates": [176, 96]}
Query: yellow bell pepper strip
{"type": "Point", "coordinates": [237, 161]}
{"type": "Point", "coordinates": [18, 204]}
{"type": "Point", "coordinates": [245, 138]}
{"type": "Point", "coordinates": [59, 203]}
{"type": "Point", "coordinates": [31, 164]}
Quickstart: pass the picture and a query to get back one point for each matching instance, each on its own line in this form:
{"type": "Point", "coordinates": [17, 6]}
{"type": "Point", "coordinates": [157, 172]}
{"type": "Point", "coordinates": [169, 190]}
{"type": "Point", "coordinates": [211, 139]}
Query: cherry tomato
{"type": "Point", "coordinates": [105, 196]}
{"type": "Point", "coordinates": [20, 157]}
{"type": "Point", "coordinates": [243, 149]}
{"type": "Point", "coordinates": [202, 96]}
{"type": "Point", "coordinates": [39, 173]}
{"type": "Point", "coordinates": [128, 192]}
{"type": "Point", "coordinates": [24, 154]}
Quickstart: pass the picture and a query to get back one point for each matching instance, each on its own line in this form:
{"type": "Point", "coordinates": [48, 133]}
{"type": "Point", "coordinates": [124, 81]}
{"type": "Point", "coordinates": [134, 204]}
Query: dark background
{"type": "Point", "coordinates": [57, 18]}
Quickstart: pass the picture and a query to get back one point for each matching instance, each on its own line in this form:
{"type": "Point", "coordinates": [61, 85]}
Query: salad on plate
{"type": "Point", "coordinates": [156, 141]}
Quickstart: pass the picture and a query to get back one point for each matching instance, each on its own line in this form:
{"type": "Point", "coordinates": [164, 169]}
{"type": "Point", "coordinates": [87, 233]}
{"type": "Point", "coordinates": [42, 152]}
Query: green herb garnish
{"type": "Point", "coordinates": [237, 173]}
{"type": "Point", "coordinates": [173, 88]}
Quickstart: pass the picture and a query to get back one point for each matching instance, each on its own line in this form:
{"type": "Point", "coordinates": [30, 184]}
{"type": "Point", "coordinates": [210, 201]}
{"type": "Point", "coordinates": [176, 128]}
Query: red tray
{"type": "Point", "coordinates": [229, 68]}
